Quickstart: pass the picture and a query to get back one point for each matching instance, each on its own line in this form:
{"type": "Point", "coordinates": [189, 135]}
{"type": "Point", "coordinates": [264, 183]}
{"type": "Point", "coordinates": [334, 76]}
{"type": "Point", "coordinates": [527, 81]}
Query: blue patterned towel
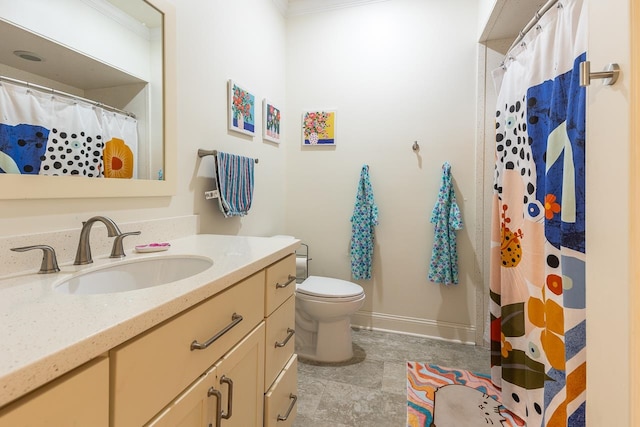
{"type": "Point", "coordinates": [235, 183]}
{"type": "Point", "coordinates": [447, 219]}
{"type": "Point", "coordinates": [365, 217]}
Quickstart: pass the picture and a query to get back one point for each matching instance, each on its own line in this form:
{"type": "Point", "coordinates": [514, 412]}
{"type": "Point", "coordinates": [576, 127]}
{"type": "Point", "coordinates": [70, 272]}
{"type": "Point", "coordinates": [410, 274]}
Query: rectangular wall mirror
{"type": "Point", "coordinates": [87, 97]}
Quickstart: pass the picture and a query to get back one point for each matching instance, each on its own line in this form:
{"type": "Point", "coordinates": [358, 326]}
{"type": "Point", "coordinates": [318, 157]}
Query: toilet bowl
{"type": "Point", "coordinates": [323, 318]}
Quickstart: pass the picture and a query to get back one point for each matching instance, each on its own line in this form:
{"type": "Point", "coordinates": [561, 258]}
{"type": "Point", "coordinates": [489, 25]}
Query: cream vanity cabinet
{"type": "Point", "coordinates": [212, 364]}
{"type": "Point", "coordinates": [78, 398]}
{"type": "Point", "coordinates": [280, 372]}
{"type": "Point", "coordinates": [161, 366]}
{"type": "Point", "coordinates": [227, 361]}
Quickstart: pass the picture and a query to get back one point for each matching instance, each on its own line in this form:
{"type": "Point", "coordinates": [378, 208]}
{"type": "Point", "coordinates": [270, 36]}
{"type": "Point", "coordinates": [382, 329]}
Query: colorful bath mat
{"type": "Point", "coordinates": [462, 398]}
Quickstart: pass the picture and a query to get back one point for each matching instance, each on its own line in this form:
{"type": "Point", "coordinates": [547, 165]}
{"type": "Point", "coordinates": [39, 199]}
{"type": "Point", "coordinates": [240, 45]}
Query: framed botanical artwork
{"type": "Point", "coordinates": [271, 119]}
{"type": "Point", "coordinates": [319, 127]}
{"type": "Point", "coordinates": [242, 109]}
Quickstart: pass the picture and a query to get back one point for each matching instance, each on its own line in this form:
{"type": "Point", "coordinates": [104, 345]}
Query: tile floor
{"type": "Point", "coordinates": [370, 389]}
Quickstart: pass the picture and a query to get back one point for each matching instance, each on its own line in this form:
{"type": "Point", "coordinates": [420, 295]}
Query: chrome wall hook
{"type": "Point", "coordinates": [609, 75]}
{"type": "Point", "coordinates": [415, 146]}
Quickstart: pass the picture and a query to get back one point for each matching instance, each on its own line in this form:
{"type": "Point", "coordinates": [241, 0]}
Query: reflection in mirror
{"type": "Point", "coordinates": [81, 91]}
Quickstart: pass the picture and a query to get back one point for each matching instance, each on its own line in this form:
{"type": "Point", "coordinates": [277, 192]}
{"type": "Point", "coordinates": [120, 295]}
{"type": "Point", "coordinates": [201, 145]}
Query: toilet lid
{"type": "Point", "coordinates": [328, 287]}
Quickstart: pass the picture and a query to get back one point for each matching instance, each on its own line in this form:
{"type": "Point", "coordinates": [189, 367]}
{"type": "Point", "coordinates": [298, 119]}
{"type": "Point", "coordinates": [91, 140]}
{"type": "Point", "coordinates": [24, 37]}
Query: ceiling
{"type": "Point", "coordinates": [507, 19]}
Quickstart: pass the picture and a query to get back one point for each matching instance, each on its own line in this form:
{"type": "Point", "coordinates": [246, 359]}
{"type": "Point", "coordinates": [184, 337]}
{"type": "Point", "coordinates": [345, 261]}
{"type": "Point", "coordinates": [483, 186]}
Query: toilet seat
{"type": "Point", "coordinates": [316, 288]}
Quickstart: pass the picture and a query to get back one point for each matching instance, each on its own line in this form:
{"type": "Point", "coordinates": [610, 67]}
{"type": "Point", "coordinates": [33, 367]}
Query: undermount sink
{"type": "Point", "coordinates": [136, 274]}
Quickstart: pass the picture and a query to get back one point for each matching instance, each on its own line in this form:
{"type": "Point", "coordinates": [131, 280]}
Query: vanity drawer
{"type": "Point", "coordinates": [150, 370]}
{"type": "Point", "coordinates": [281, 399]}
{"type": "Point", "coordinates": [280, 284]}
{"type": "Point", "coordinates": [280, 340]}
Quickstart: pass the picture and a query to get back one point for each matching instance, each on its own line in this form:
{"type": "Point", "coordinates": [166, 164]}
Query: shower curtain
{"type": "Point", "coordinates": [50, 134]}
{"type": "Point", "coordinates": [537, 280]}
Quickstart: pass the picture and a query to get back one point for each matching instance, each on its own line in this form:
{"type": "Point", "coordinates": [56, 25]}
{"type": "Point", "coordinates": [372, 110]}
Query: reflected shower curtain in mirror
{"type": "Point", "coordinates": [50, 134]}
{"type": "Point", "coordinates": [537, 280]}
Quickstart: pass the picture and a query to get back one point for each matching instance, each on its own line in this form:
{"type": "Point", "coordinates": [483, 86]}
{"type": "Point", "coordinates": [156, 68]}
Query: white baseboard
{"type": "Point", "coordinates": [415, 326]}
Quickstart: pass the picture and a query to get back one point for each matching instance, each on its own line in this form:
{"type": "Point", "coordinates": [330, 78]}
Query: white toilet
{"type": "Point", "coordinates": [323, 318]}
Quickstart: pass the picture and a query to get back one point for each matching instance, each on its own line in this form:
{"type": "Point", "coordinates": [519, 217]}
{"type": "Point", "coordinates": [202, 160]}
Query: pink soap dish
{"type": "Point", "coordinates": [153, 247]}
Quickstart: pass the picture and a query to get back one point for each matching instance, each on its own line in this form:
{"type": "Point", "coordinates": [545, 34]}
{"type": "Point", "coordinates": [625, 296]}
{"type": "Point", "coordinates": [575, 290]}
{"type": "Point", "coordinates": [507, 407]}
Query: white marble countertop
{"type": "Point", "coordinates": [45, 333]}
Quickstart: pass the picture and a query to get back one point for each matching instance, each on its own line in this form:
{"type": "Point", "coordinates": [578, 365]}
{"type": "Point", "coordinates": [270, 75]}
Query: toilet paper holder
{"type": "Point", "coordinates": [302, 258]}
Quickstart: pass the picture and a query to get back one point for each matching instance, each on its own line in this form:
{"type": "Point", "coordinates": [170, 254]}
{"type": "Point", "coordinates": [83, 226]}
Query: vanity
{"type": "Point", "coordinates": [215, 348]}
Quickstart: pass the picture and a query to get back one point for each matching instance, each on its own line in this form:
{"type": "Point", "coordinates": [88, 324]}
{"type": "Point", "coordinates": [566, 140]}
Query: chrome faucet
{"type": "Point", "coordinates": [83, 255]}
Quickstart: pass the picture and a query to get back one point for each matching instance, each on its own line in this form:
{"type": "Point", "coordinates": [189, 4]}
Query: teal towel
{"type": "Point", "coordinates": [447, 219]}
{"type": "Point", "coordinates": [363, 220]}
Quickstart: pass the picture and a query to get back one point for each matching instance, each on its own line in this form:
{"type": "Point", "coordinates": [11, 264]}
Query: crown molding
{"type": "Point", "coordinates": [303, 7]}
{"type": "Point", "coordinates": [282, 6]}
{"type": "Point", "coordinates": [120, 17]}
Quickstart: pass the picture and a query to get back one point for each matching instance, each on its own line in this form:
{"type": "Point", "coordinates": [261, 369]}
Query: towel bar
{"type": "Point", "coordinates": [203, 153]}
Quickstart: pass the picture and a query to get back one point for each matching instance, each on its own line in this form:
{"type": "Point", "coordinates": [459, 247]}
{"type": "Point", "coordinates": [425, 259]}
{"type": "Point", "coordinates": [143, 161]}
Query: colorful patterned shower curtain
{"type": "Point", "coordinates": [538, 322]}
{"type": "Point", "coordinates": [48, 134]}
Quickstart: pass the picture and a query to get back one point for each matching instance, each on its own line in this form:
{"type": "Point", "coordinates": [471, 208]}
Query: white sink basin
{"type": "Point", "coordinates": [135, 274]}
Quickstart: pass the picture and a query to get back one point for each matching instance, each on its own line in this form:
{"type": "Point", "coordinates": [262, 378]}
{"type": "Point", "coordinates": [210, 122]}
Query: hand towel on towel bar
{"type": "Point", "coordinates": [447, 219]}
{"type": "Point", "coordinates": [235, 183]}
{"type": "Point", "coordinates": [365, 217]}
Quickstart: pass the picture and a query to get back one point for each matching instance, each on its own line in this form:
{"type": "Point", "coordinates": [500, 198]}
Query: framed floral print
{"type": "Point", "coordinates": [319, 127]}
{"type": "Point", "coordinates": [242, 109]}
{"type": "Point", "coordinates": [271, 119]}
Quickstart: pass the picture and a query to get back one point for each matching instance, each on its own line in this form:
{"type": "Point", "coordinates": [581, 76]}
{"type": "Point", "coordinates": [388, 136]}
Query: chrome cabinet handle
{"type": "Point", "coordinates": [235, 319]}
{"type": "Point", "coordinates": [290, 280]}
{"type": "Point", "coordinates": [294, 399]}
{"type": "Point", "coordinates": [213, 392]}
{"type": "Point", "coordinates": [226, 380]}
{"type": "Point", "coordinates": [290, 333]}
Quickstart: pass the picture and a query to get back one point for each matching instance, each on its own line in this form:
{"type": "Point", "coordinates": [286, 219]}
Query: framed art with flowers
{"type": "Point", "coordinates": [242, 109]}
{"type": "Point", "coordinates": [271, 119]}
{"type": "Point", "coordinates": [319, 127]}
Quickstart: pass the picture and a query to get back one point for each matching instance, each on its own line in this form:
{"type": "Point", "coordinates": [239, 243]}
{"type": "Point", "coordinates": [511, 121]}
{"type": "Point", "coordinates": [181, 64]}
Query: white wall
{"type": "Point", "coordinates": [244, 41]}
{"type": "Point", "coordinates": [396, 72]}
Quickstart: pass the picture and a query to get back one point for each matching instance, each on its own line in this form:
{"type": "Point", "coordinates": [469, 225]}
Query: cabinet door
{"type": "Point", "coordinates": [79, 398]}
{"type": "Point", "coordinates": [240, 378]}
{"type": "Point", "coordinates": [196, 407]}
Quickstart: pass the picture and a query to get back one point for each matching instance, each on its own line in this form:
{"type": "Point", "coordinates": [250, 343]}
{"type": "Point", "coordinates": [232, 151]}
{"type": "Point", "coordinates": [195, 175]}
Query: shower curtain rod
{"type": "Point", "coordinates": [539, 14]}
{"type": "Point", "coordinates": [65, 94]}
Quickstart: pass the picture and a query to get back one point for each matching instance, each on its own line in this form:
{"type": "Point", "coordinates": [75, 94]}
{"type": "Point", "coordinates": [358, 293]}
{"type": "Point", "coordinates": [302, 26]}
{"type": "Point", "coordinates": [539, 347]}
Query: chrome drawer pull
{"type": "Point", "coordinates": [290, 281]}
{"type": "Point", "coordinates": [227, 380]}
{"type": "Point", "coordinates": [290, 333]}
{"type": "Point", "coordinates": [294, 399]}
{"type": "Point", "coordinates": [213, 392]}
{"type": "Point", "coordinates": [235, 319]}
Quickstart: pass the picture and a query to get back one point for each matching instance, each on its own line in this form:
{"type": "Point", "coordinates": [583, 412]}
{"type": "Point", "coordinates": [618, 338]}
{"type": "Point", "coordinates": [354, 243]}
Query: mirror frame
{"type": "Point", "coordinates": [13, 186]}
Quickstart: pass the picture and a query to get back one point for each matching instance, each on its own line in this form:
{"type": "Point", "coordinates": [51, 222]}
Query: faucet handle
{"type": "Point", "coordinates": [49, 262]}
{"type": "Point", "coordinates": [118, 250]}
